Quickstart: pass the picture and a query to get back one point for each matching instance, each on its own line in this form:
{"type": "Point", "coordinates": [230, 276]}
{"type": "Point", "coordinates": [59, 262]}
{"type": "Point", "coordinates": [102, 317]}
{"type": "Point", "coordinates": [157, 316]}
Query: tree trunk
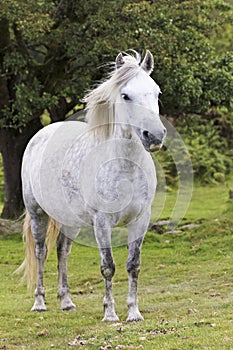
{"type": "Point", "coordinates": [12, 156]}
{"type": "Point", "coordinates": [12, 146]}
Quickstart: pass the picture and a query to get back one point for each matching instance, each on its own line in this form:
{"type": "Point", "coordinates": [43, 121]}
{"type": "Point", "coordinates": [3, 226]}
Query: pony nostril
{"type": "Point", "coordinates": [164, 132]}
{"type": "Point", "coordinates": [145, 134]}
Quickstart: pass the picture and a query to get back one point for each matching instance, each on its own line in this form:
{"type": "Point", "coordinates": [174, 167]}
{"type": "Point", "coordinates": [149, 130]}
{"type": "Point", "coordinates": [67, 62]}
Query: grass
{"type": "Point", "coordinates": [207, 202]}
{"type": "Point", "coordinates": [185, 290]}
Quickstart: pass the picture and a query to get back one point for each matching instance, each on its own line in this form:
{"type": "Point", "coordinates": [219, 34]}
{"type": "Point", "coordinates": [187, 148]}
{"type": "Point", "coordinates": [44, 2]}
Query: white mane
{"type": "Point", "coordinates": [100, 101]}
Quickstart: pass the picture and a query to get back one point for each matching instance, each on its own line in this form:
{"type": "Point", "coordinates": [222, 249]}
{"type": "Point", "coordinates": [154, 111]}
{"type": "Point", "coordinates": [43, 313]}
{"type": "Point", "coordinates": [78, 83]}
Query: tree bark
{"type": "Point", "coordinates": [13, 142]}
{"type": "Point", "coordinates": [11, 155]}
{"type": "Point", "coordinates": [12, 146]}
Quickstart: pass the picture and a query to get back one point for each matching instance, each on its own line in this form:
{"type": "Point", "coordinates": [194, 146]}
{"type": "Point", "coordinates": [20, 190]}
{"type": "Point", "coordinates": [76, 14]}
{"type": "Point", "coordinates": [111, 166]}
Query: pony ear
{"type": "Point", "coordinates": [148, 63]}
{"type": "Point", "coordinates": [120, 60]}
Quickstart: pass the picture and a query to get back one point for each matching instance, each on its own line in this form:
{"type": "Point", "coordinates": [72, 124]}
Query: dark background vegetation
{"type": "Point", "coordinates": [51, 52]}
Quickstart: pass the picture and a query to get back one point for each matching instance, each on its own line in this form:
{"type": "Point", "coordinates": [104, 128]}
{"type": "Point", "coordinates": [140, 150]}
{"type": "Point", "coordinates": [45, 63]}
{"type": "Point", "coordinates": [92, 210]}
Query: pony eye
{"type": "Point", "coordinates": [125, 97]}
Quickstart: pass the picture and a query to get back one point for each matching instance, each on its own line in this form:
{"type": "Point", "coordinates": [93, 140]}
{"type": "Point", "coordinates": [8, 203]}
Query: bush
{"type": "Point", "coordinates": [209, 150]}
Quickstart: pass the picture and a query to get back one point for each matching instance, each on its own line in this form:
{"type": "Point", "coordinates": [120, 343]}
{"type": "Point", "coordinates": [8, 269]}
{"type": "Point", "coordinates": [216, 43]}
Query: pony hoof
{"type": "Point", "coordinates": [135, 317]}
{"type": "Point", "coordinates": [69, 308]}
{"type": "Point", "coordinates": [38, 308]}
{"type": "Point", "coordinates": [110, 318]}
{"type": "Point", "coordinates": [67, 305]}
{"type": "Point", "coordinates": [39, 304]}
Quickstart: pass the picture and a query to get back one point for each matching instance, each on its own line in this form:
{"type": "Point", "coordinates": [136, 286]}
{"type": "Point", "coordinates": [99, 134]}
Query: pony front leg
{"type": "Point", "coordinates": [137, 231]}
{"type": "Point", "coordinates": [133, 268]}
{"type": "Point", "coordinates": [107, 265]}
{"type": "Point", "coordinates": [108, 270]}
{"type": "Point", "coordinates": [63, 251]}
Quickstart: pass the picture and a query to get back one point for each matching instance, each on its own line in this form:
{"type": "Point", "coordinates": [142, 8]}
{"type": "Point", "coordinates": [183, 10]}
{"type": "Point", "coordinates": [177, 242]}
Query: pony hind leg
{"type": "Point", "coordinates": [63, 251]}
{"type": "Point", "coordinates": [39, 224]}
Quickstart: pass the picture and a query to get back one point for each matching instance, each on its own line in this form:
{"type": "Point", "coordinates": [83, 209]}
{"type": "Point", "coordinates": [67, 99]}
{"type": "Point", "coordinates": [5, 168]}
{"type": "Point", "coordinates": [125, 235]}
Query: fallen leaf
{"type": "Point", "coordinates": [215, 294]}
{"type": "Point", "coordinates": [105, 347]}
{"type": "Point", "coordinates": [161, 266]}
{"type": "Point", "coordinates": [43, 333]}
{"type": "Point", "coordinates": [78, 341]}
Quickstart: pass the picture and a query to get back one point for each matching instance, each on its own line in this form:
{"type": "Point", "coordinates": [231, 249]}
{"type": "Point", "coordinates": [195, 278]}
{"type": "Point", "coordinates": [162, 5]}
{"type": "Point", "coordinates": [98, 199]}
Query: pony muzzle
{"type": "Point", "coordinates": [154, 147]}
{"type": "Point", "coordinates": [151, 142]}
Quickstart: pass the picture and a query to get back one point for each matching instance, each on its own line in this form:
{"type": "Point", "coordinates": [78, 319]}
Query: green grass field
{"type": "Point", "coordinates": [185, 289]}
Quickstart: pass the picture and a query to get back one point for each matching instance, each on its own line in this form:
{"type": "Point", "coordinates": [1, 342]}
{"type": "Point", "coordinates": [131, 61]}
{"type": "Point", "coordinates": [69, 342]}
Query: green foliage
{"type": "Point", "coordinates": [32, 18]}
{"type": "Point", "coordinates": [208, 148]}
{"type": "Point", "coordinates": [29, 61]}
{"type": "Point", "coordinates": [28, 100]}
{"type": "Point", "coordinates": [187, 66]}
{"type": "Point", "coordinates": [54, 49]}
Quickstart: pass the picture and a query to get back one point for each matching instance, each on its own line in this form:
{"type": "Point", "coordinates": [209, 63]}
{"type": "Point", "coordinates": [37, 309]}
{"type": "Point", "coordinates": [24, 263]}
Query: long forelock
{"type": "Point", "coordinates": [100, 101]}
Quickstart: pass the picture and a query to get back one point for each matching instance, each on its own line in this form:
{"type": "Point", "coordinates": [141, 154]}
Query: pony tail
{"type": "Point", "coordinates": [53, 231]}
{"type": "Point", "coordinates": [29, 265]}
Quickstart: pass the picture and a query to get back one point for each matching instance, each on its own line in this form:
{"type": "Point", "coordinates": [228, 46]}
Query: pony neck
{"type": "Point", "coordinates": [121, 128]}
{"type": "Point", "coordinates": [122, 131]}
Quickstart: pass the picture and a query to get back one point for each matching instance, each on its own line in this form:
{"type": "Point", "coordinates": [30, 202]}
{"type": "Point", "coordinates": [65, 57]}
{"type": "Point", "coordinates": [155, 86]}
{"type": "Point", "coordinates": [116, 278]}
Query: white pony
{"type": "Point", "coordinates": [98, 174]}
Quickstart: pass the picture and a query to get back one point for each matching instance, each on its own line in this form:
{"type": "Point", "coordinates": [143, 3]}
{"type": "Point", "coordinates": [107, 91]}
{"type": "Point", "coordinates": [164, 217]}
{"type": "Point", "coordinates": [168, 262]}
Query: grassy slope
{"type": "Point", "coordinates": [207, 202]}
{"type": "Point", "coordinates": [185, 290]}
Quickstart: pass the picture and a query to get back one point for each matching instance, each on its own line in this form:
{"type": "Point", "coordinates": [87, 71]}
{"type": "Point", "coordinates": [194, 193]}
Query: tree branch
{"type": "Point", "coordinates": [21, 44]}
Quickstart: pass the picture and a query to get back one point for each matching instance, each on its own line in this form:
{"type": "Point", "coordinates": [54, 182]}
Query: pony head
{"type": "Point", "coordinates": [129, 99]}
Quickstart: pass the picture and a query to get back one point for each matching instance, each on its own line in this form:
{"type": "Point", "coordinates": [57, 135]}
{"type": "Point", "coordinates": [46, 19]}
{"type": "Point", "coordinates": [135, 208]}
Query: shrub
{"type": "Point", "coordinates": [209, 150]}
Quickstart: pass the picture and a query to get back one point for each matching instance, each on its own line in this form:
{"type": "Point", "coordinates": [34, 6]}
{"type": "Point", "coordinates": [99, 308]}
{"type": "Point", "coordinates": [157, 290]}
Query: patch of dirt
{"type": "Point", "coordinates": [160, 227]}
{"type": "Point", "coordinates": [159, 331]}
